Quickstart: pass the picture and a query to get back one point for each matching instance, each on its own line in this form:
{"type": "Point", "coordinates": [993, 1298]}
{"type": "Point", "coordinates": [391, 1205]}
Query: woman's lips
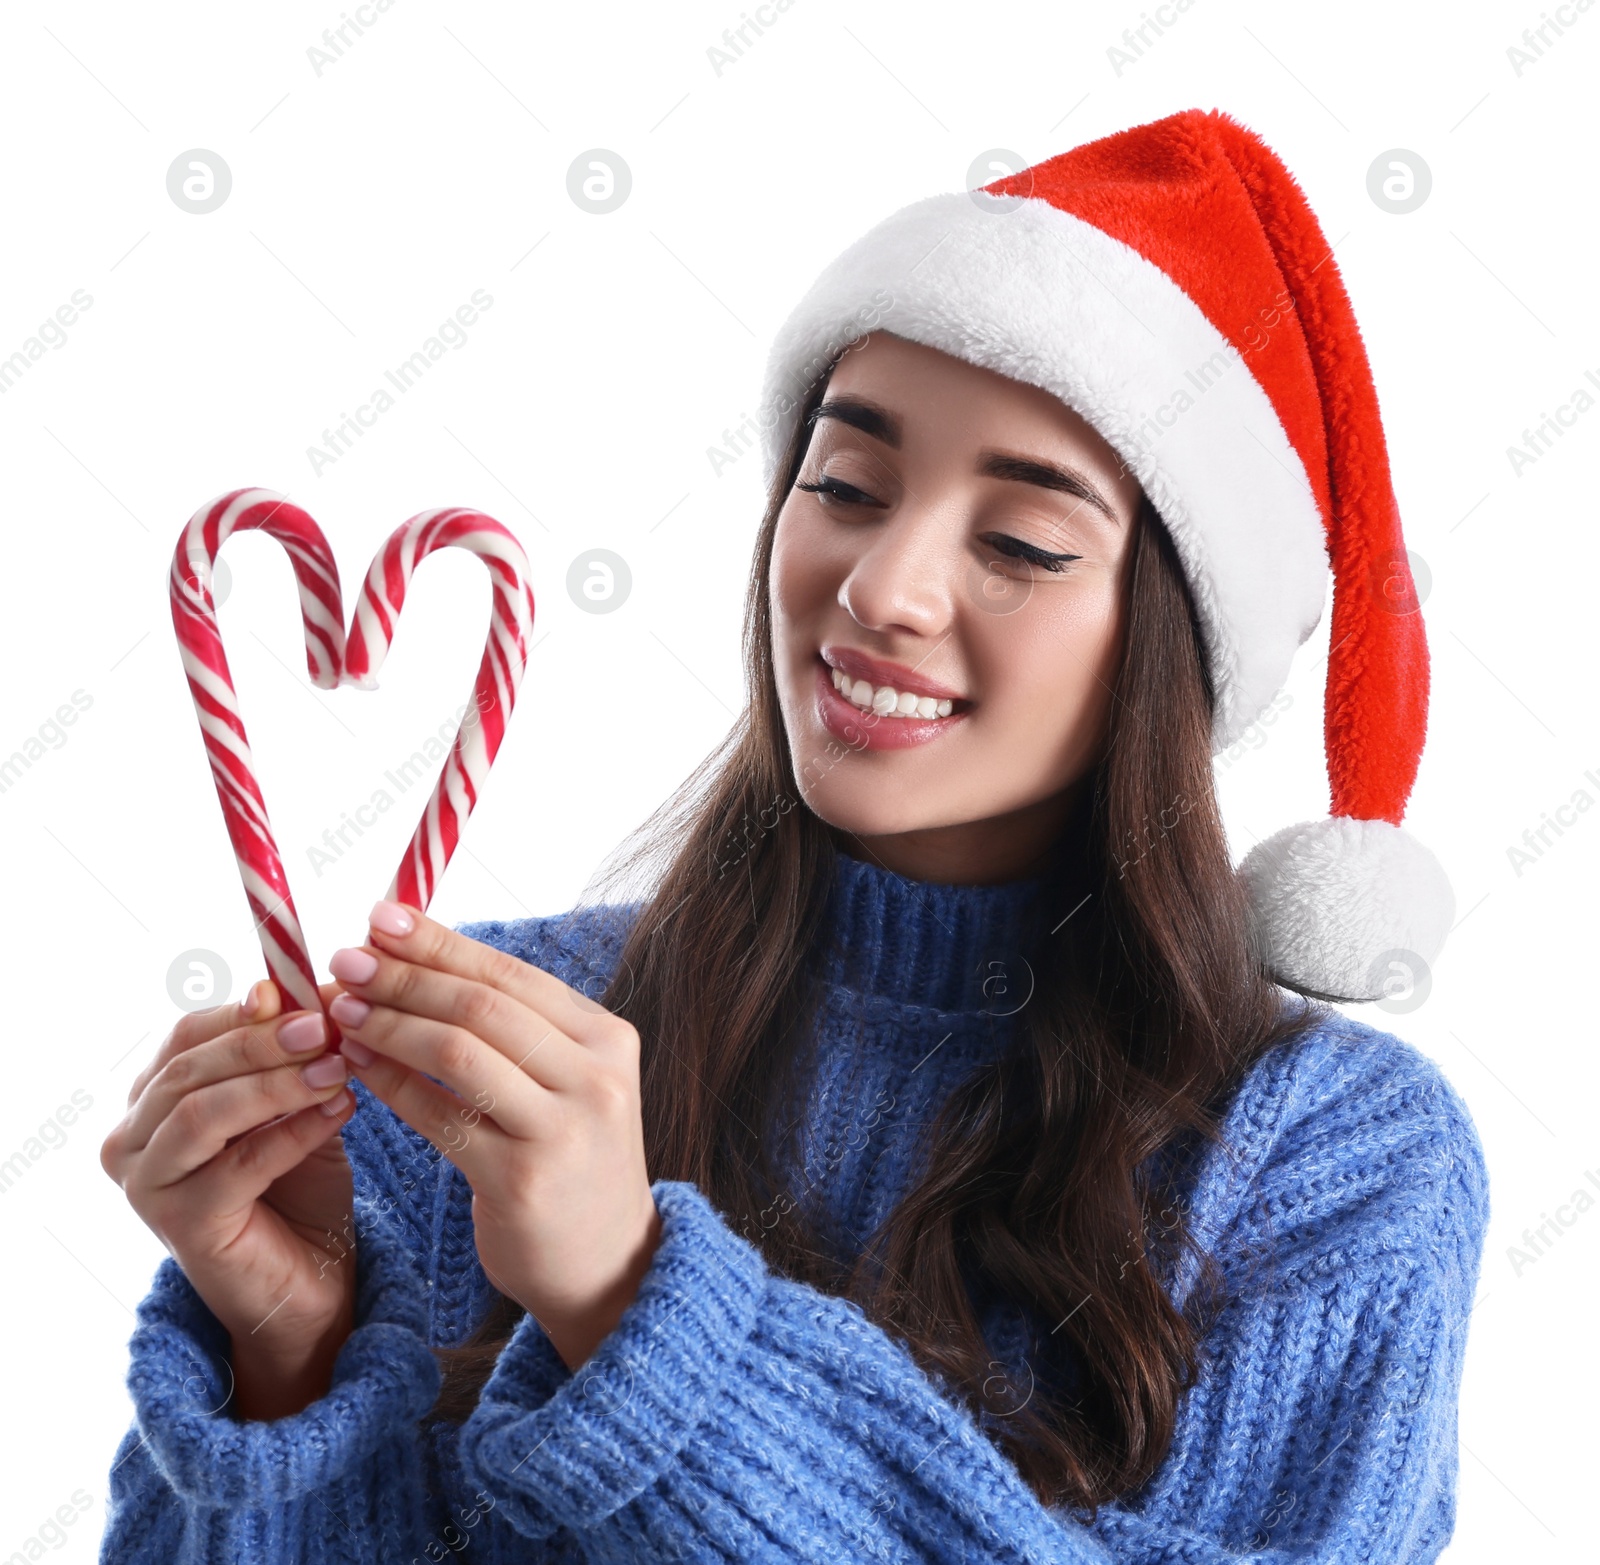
{"type": "Point", "coordinates": [876, 671]}
{"type": "Point", "coordinates": [864, 729]}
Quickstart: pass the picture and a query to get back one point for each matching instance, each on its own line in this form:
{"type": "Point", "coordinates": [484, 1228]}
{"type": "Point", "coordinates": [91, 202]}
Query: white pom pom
{"type": "Point", "coordinates": [1337, 906]}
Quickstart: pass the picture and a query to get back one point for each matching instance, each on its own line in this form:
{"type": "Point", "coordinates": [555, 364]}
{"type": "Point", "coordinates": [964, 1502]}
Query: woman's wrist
{"type": "Point", "coordinates": [271, 1381]}
{"type": "Point", "coordinates": [575, 1340]}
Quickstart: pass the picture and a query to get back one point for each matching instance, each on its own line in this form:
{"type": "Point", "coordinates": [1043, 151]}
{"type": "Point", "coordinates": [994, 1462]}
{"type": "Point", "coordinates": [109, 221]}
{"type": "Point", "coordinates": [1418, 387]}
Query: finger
{"type": "Point", "coordinates": [295, 1039]}
{"type": "Point", "coordinates": [474, 1071]}
{"type": "Point", "coordinates": [463, 1129]}
{"type": "Point", "coordinates": [526, 1037]}
{"type": "Point", "coordinates": [243, 1172]}
{"type": "Point", "coordinates": [435, 945]}
{"type": "Point", "coordinates": [201, 1124]}
{"type": "Point", "coordinates": [197, 1027]}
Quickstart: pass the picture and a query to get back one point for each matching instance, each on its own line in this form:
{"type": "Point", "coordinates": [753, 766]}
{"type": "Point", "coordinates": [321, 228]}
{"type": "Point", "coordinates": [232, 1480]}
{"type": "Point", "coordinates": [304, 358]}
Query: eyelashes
{"type": "Point", "coordinates": [838, 489]}
{"type": "Point", "coordinates": [1045, 559]}
{"type": "Point", "coordinates": [837, 492]}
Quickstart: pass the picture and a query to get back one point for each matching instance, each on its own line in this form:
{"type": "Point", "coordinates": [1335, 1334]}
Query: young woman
{"type": "Point", "coordinates": [952, 1156]}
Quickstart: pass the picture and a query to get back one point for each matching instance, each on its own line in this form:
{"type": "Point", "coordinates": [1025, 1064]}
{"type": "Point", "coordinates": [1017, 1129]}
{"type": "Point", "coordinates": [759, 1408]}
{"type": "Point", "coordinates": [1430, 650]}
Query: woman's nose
{"type": "Point", "coordinates": [906, 575]}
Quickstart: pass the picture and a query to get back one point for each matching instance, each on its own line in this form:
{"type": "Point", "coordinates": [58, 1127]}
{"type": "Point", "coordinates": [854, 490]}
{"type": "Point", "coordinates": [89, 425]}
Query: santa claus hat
{"type": "Point", "coordinates": [1170, 284]}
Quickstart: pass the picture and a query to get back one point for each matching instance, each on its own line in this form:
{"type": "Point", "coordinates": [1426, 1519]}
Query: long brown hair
{"type": "Point", "coordinates": [1053, 1174]}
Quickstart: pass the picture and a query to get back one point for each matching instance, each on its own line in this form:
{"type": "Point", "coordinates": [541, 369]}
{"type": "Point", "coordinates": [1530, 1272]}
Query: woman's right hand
{"type": "Point", "coordinates": [230, 1154]}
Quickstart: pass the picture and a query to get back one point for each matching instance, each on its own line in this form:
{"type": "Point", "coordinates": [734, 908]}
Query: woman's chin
{"type": "Point", "coordinates": [860, 817]}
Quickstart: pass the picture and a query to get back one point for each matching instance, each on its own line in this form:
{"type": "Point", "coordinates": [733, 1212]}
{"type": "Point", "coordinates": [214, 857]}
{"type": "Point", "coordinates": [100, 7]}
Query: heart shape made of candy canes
{"type": "Point", "coordinates": [334, 658]}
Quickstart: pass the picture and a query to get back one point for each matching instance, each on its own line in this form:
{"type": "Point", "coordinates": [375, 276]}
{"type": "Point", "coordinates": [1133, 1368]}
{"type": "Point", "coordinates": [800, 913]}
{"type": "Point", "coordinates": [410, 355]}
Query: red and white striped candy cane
{"type": "Point", "coordinates": [194, 617]}
{"type": "Point", "coordinates": [329, 657]}
{"type": "Point", "coordinates": [383, 593]}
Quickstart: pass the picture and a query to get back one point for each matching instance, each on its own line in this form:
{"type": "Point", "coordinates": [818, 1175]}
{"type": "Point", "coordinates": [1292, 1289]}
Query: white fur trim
{"type": "Point", "coordinates": [1034, 293]}
{"type": "Point", "coordinates": [1342, 907]}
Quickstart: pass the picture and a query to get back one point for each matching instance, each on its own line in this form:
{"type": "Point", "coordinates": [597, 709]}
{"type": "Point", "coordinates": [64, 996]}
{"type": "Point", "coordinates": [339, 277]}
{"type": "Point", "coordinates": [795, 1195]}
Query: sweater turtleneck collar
{"type": "Point", "coordinates": [931, 944]}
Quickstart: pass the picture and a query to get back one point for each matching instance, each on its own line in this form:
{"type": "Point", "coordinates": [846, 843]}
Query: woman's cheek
{"type": "Point", "coordinates": [789, 580]}
{"type": "Point", "coordinates": [1073, 659]}
{"type": "Point", "coordinates": [1095, 621]}
{"type": "Point", "coordinates": [806, 553]}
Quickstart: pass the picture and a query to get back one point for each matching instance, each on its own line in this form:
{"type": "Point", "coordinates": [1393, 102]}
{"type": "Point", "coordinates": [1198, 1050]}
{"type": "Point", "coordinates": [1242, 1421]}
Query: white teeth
{"type": "Point", "coordinates": [886, 701]}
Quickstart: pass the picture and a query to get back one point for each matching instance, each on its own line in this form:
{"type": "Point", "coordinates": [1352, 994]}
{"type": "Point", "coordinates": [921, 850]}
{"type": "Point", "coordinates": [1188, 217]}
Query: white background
{"type": "Point", "coordinates": [369, 201]}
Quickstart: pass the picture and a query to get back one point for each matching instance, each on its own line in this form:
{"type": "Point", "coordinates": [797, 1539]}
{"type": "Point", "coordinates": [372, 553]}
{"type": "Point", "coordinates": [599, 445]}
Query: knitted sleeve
{"type": "Point", "coordinates": [191, 1483]}
{"type": "Point", "coordinates": [737, 1415]}
{"type": "Point", "coordinates": [351, 1477]}
{"type": "Point", "coordinates": [343, 1479]}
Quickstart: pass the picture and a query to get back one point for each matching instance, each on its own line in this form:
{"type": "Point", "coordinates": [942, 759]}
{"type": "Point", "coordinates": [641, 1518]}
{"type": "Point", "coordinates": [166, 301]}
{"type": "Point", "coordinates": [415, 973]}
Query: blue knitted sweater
{"type": "Point", "coordinates": [737, 1415]}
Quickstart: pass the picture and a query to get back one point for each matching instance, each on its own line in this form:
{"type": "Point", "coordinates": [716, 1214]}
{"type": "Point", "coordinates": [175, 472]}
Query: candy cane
{"type": "Point", "coordinates": [330, 657]}
{"type": "Point", "coordinates": [383, 594]}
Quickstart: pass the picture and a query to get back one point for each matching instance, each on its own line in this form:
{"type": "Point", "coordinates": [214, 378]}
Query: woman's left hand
{"type": "Point", "coordinates": [542, 1117]}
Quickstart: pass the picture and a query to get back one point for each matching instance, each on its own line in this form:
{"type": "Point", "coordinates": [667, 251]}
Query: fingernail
{"type": "Point", "coordinates": [334, 1104]}
{"type": "Point", "coordinates": [304, 1031]}
{"type": "Point", "coordinates": [351, 965]}
{"type": "Point", "coordinates": [391, 918]}
{"type": "Point", "coordinates": [252, 1001]}
{"type": "Point", "coordinates": [325, 1072]}
{"type": "Point", "coordinates": [349, 1010]}
{"type": "Point", "coordinates": [358, 1054]}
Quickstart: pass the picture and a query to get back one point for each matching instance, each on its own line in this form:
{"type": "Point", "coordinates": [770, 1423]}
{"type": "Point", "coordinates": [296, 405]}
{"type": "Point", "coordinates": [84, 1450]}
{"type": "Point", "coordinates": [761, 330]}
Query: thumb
{"type": "Point", "coordinates": [329, 992]}
{"type": "Point", "coordinates": [261, 1003]}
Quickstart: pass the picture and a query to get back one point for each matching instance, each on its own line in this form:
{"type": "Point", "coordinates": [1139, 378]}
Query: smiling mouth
{"type": "Point", "coordinates": [888, 701]}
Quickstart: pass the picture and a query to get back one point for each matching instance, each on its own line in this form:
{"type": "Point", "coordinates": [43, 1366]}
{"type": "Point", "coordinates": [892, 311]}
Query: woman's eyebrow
{"type": "Point", "coordinates": [1047, 475]}
{"type": "Point", "coordinates": [860, 414]}
{"type": "Point", "coordinates": [871, 419]}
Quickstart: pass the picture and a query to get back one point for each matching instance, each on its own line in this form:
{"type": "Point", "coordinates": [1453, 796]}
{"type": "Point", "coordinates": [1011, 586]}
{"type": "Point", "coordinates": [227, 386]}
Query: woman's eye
{"type": "Point", "coordinates": [838, 491]}
{"type": "Point", "coordinates": [835, 491]}
{"type": "Point", "coordinates": [1030, 554]}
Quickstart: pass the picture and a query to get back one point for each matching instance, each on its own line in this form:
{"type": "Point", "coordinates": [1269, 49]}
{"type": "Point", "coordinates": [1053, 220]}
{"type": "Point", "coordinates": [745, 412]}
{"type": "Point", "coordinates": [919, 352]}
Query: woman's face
{"type": "Point", "coordinates": [915, 553]}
